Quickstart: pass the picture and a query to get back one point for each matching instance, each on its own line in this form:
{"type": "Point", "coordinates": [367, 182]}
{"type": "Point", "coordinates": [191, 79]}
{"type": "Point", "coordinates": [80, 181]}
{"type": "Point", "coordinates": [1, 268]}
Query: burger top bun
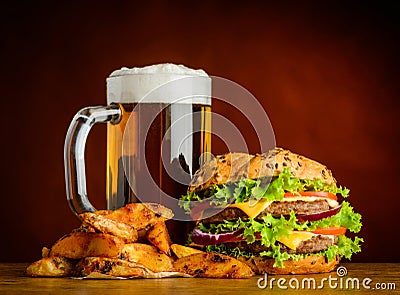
{"type": "Point", "coordinates": [231, 167]}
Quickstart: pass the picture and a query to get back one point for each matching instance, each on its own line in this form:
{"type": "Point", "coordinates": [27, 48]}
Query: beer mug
{"type": "Point", "coordinates": [158, 127]}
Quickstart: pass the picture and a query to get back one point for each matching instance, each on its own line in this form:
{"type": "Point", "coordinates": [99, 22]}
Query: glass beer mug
{"type": "Point", "coordinates": [158, 127]}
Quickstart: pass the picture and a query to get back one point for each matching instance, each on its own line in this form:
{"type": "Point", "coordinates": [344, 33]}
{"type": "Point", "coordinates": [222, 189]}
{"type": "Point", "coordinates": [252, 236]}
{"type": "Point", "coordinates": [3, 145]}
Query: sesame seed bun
{"type": "Point", "coordinates": [232, 167]}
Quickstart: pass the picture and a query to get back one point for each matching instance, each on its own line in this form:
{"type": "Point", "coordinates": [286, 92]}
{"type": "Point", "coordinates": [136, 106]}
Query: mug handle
{"type": "Point", "coordinates": [74, 152]}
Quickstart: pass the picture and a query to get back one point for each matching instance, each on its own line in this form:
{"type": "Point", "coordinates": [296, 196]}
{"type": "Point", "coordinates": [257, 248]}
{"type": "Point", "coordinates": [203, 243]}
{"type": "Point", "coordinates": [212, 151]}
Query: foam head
{"type": "Point", "coordinates": [161, 83]}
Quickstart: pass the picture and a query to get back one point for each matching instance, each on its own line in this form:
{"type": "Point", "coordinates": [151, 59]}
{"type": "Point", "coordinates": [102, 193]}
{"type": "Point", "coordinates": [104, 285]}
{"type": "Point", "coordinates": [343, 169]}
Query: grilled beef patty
{"type": "Point", "coordinates": [276, 208]}
{"type": "Point", "coordinates": [315, 244]}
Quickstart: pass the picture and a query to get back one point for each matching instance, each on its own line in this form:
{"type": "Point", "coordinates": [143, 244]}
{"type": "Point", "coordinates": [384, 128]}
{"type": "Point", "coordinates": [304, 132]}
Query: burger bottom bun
{"type": "Point", "coordinates": [307, 265]}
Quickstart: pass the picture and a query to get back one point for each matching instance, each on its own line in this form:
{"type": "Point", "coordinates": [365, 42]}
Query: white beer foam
{"type": "Point", "coordinates": [161, 83]}
{"type": "Point", "coordinates": [166, 68]}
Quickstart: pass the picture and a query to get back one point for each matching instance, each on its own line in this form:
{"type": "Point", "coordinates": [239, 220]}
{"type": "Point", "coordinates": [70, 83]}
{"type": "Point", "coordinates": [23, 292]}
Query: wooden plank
{"type": "Point", "coordinates": [13, 281]}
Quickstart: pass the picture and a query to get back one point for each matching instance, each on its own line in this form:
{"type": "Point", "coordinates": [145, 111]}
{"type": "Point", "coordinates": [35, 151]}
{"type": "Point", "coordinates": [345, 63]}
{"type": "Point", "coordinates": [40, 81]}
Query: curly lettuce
{"type": "Point", "coordinates": [256, 189]}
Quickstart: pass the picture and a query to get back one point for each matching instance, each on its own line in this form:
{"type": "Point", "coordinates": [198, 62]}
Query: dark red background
{"type": "Point", "coordinates": [327, 75]}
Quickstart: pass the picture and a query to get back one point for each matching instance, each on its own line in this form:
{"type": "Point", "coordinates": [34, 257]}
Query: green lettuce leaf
{"type": "Point", "coordinates": [255, 189]}
{"type": "Point", "coordinates": [346, 217]}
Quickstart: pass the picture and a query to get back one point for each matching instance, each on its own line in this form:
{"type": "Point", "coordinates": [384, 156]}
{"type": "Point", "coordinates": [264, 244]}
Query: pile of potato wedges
{"type": "Point", "coordinates": [132, 241]}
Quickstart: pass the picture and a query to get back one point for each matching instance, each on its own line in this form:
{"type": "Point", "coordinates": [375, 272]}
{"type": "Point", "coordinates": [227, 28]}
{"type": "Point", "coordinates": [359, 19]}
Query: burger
{"type": "Point", "coordinates": [279, 212]}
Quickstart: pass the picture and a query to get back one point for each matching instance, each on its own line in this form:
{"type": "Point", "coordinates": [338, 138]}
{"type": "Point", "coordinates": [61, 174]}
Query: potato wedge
{"type": "Point", "coordinates": [51, 267]}
{"type": "Point", "coordinates": [84, 228]}
{"type": "Point", "coordinates": [79, 245]}
{"type": "Point", "coordinates": [140, 215]}
{"type": "Point", "coordinates": [158, 235]}
{"type": "Point", "coordinates": [212, 265]}
{"type": "Point", "coordinates": [108, 226]}
{"type": "Point", "coordinates": [182, 251]}
{"type": "Point", "coordinates": [110, 266]}
{"type": "Point", "coordinates": [148, 256]}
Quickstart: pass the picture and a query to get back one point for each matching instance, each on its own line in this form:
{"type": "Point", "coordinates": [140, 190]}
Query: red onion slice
{"type": "Point", "coordinates": [319, 215]}
{"type": "Point", "coordinates": [202, 238]}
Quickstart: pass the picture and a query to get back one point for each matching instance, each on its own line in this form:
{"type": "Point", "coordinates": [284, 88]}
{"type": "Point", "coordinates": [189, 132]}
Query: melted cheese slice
{"type": "Point", "coordinates": [254, 208]}
{"type": "Point", "coordinates": [297, 237]}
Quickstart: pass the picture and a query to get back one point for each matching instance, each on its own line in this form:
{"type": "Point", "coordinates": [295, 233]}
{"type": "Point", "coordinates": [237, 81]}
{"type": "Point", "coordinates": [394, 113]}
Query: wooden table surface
{"type": "Point", "coordinates": [375, 276]}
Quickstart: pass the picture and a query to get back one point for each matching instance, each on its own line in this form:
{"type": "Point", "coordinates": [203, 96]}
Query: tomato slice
{"type": "Point", "coordinates": [336, 231]}
{"type": "Point", "coordinates": [326, 195]}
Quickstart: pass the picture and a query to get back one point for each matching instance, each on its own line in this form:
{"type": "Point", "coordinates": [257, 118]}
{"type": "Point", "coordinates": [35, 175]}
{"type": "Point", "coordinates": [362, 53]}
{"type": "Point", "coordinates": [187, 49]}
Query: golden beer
{"type": "Point", "coordinates": [119, 191]}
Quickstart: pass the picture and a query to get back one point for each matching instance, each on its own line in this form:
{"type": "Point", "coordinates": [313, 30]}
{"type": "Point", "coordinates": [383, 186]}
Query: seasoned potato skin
{"type": "Point", "coordinates": [110, 266]}
{"type": "Point", "coordinates": [182, 251]}
{"type": "Point", "coordinates": [51, 267]}
{"type": "Point", "coordinates": [140, 215]}
{"type": "Point", "coordinates": [148, 256]}
{"type": "Point", "coordinates": [79, 245]}
{"type": "Point", "coordinates": [158, 235]}
{"type": "Point", "coordinates": [212, 265]}
{"type": "Point", "coordinates": [106, 225]}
